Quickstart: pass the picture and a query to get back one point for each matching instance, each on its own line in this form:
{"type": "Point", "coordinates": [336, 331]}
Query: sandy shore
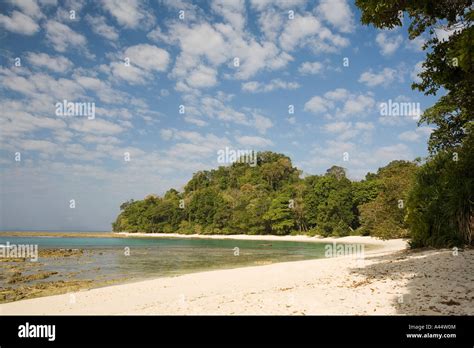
{"type": "Point", "coordinates": [297, 238]}
{"type": "Point", "coordinates": [388, 280]}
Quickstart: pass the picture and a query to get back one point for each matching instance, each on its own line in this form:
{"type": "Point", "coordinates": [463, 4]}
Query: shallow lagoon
{"type": "Point", "coordinates": [128, 259]}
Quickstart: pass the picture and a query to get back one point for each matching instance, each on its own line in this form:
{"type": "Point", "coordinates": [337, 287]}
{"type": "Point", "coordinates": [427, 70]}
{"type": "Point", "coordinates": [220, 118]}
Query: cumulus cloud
{"type": "Point", "coordinates": [310, 68]}
{"type": "Point", "coordinates": [388, 43]}
{"type": "Point", "coordinates": [349, 130]}
{"type": "Point", "coordinates": [232, 11]}
{"type": "Point", "coordinates": [307, 30]}
{"type": "Point", "coordinates": [417, 69]}
{"type": "Point", "coordinates": [203, 44]}
{"type": "Point", "coordinates": [280, 4]}
{"type": "Point", "coordinates": [258, 87]}
{"type": "Point", "coordinates": [62, 37]}
{"type": "Point", "coordinates": [129, 13]}
{"type": "Point", "coordinates": [59, 64]}
{"type": "Point", "coordinates": [338, 13]}
{"type": "Point", "coordinates": [148, 57]}
{"type": "Point", "coordinates": [254, 141]}
{"type": "Point", "coordinates": [99, 26]}
{"type": "Point", "coordinates": [138, 63]}
{"type": "Point", "coordinates": [340, 103]}
{"type": "Point", "coordinates": [96, 126]}
{"type": "Point", "coordinates": [420, 133]}
{"type": "Point", "coordinates": [372, 79]}
{"type": "Point", "coordinates": [19, 23]}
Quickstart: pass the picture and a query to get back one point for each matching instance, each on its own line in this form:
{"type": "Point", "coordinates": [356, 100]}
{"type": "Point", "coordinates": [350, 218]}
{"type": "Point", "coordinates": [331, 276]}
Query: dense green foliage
{"type": "Point", "coordinates": [271, 198]}
{"type": "Point", "coordinates": [440, 207]}
{"type": "Point", "coordinates": [441, 203]}
{"type": "Point", "coordinates": [384, 216]}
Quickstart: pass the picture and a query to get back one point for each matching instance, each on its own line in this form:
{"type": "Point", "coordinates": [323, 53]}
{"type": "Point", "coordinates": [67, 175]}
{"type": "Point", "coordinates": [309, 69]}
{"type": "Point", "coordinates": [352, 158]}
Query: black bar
{"type": "Point", "coordinates": [239, 330]}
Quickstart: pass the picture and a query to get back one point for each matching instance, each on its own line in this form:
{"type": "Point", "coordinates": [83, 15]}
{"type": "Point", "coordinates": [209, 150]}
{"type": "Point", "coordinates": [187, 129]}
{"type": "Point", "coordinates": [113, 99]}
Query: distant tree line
{"type": "Point", "coordinates": [272, 198]}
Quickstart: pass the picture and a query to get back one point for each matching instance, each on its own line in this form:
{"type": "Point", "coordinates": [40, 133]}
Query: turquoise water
{"type": "Point", "coordinates": [107, 259]}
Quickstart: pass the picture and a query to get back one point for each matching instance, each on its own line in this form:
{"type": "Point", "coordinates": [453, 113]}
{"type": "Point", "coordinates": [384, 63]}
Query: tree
{"type": "Point", "coordinates": [311, 199]}
{"type": "Point", "coordinates": [204, 205]}
{"type": "Point", "coordinates": [336, 171]}
{"type": "Point", "coordinates": [384, 216]}
{"type": "Point", "coordinates": [440, 206]}
{"type": "Point", "coordinates": [280, 216]}
{"type": "Point", "coordinates": [335, 211]}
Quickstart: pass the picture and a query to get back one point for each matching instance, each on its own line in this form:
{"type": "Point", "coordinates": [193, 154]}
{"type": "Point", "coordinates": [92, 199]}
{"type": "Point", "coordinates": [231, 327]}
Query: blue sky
{"type": "Point", "coordinates": [285, 58]}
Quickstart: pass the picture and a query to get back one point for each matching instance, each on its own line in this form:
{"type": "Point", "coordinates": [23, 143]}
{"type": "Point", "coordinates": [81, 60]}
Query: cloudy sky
{"type": "Point", "coordinates": [173, 82]}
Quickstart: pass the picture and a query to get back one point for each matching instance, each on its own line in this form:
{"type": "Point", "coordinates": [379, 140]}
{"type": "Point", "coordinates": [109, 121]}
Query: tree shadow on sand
{"type": "Point", "coordinates": [432, 282]}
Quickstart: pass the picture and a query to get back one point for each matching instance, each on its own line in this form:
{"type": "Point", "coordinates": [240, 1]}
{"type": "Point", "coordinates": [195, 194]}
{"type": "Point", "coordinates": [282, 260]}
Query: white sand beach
{"type": "Point", "coordinates": [389, 280]}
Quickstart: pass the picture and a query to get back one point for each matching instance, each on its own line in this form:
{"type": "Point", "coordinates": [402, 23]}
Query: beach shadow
{"type": "Point", "coordinates": [431, 282]}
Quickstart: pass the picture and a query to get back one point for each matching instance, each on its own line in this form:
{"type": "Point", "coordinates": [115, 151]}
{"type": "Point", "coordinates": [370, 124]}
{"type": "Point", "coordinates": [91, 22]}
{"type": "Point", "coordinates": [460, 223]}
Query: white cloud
{"type": "Point", "coordinates": [16, 121]}
{"type": "Point", "coordinates": [444, 34]}
{"type": "Point", "coordinates": [102, 89]}
{"type": "Point", "coordinates": [261, 123]}
{"type": "Point", "coordinates": [233, 11]}
{"type": "Point", "coordinates": [148, 57]}
{"type": "Point", "coordinates": [307, 31]}
{"type": "Point", "coordinates": [255, 57]}
{"type": "Point", "coordinates": [417, 69]}
{"type": "Point", "coordinates": [166, 134]}
{"type": "Point", "coordinates": [317, 105]}
{"type": "Point", "coordinates": [202, 76]}
{"type": "Point", "coordinates": [95, 139]}
{"type": "Point", "coordinates": [388, 44]}
{"type": "Point", "coordinates": [416, 135]}
{"type": "Point", "coordinates": [193, 145]}
{"type": "Point", "coordinates": [95, 126]}
{"type": "Point", "coordinates": [340, 103]}
{"type": "Point", "coordinates": [43, 90]}
{"type": "Point", "coordinates": [214, 45]}
{"type": "Point", "coordinates": [385, 77]}
{"type": "Point", "coordinates": [271, 23]}
{"type": "Point", "coordinates": [62, 37]}
{"type": "Point", "coordinates": [281, 4]}
{"type": "Point", "coordinates": [254, 141]}
{"type": "Point", "coordinates": [337, 94]}
{"type": "Point", "coordinates": [338, 13]}
{"type": "Point", "coordinates": [59, 64]}
{"type": "Point", "coordinates": [28, 7]}
{"type": "Point", "coordinates": [416, 44]}
{"type": "Point", "coordinates": [39, 145]}
{"type": "Point", "coordinates": [297, 29]}
{"type": "Point", "coordinates": [310, 68]}
{"type": "Point", "coordinates": [360, 104]}
{"type": "Point", "coordinates": [349, 130]}
{"type": "Point", "coordinates": [100, 27]}
{"type": "Point", "coordinates": [129, 13]}
{"type": "Point", "coordinates": [131, 73]}
{"type": "Point", "coordinates": [19, 23]}
{"type": "Point", "coordinates": [138, 64]}
{"type": "Point", "coordinates": [257, 87]}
